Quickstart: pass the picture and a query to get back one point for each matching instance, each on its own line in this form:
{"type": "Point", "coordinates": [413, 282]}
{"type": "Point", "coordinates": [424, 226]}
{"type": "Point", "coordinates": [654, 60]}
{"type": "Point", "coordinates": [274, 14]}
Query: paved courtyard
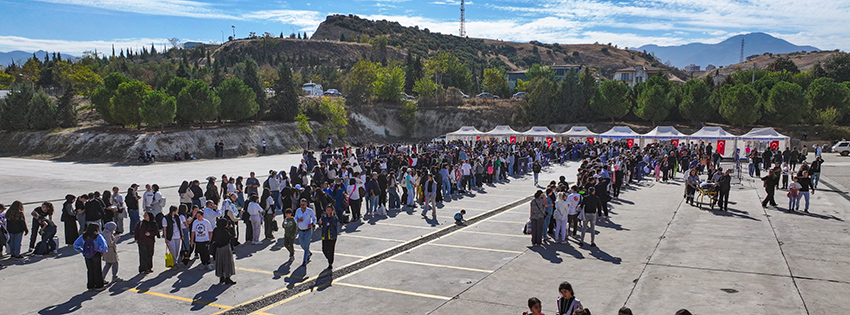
{"type": "Point", "coordinates": [657, 254]}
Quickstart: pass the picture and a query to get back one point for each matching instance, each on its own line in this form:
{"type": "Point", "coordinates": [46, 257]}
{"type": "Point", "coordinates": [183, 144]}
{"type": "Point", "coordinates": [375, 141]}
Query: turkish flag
{"type": "Point", "coordinates": [478, 138]}
{"type": "Point", "coordinates": [774, 145]}
{"type": "Point", "coordinates": [721, 147]}
{"type": "Point", "coordinates": [630, 142]}
{"type": "Point", "coordinates": [675, 142]}
{"type": "Point", "coordinates": [590, 140]}
{"type": "Point", "coordinates": [549, 141]}
{"type": "Point", "coordinates": [513, 139]}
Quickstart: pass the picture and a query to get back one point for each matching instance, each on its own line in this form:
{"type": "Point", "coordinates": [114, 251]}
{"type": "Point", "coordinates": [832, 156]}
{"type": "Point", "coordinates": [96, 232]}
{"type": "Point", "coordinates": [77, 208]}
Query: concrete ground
{"type": "Point", "coordinates": [657, 254]}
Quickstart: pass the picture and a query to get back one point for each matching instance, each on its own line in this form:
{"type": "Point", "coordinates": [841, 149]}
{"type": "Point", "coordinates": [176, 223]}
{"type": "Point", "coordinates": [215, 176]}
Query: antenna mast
{"type": "Point", "coordinates": [742, 50]}
{"type": "Point", "coordinates": [462, 19]}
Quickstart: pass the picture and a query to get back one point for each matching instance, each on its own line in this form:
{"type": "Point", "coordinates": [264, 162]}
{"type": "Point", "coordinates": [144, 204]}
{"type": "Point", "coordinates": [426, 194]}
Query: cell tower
{"type": "Point", "coordinates": [742, 51]}
{"type": "Point", "coordinates": [462, 19]}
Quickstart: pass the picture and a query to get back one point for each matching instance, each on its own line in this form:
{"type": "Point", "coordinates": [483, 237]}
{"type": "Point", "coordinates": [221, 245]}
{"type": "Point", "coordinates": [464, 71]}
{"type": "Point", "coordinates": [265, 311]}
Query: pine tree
{"type": "Point", "coordinates": [158, 109]}
{"type": "Point", "coordinates": [299, 35]}
{"type": "Point", "coordinates": [13, 110]}
{"type": "Point", "coordinates": [41, 112]}
{"type": "Point", "coordinates": [67, 109]}
{"type": "Point", "coordinates": [284, 105]}
{"type": "Point", "coordinates": [251, 78]}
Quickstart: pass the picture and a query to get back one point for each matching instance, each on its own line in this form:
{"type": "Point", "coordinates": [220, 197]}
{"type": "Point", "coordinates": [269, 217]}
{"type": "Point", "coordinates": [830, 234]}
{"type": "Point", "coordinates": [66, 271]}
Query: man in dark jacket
{"type": "Point", "coordinates": [770, 183]}
{"type": "Point", "coordinates": [94, 209]}
{"type": "Point", "coordinates": [725, 184]}
{"type": "Point", "coordinates": [591, 206]}
{"type": "Point", "coordinates": [602, 193]}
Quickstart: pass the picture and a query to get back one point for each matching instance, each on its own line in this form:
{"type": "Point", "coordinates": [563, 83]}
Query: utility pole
{"type": "Point", "coordinates": [234, 31]}
{"type": "Point", "coordinates": [742, 51]}
{"type": "Point", "coordinates": [462, 19]}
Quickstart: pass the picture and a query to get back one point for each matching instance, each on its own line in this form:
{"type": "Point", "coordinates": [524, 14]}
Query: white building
{"type": "Point", "coordinates": [312, 88]}
{"type": "Point", "coordinates": [692, 68]}
{"type": "Point", "coordinates": [635, 75]}
{"type": "Point", "coordinates": [4, 94]}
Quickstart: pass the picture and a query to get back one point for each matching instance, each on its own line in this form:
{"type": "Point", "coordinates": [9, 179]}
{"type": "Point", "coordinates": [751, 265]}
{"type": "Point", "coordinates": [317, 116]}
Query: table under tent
{"type": "Point", "coordinates": [760, 139]}
{"type": "Point", "coordinates": [502, 133]}
{"type": "Point", "coordinates": [720, 140]}
{"type": "Point", "coordinates": [579, 134]}
{"type": "Point", "coordinates": [620, 133]}
{"type": "Point", "coordinates": [539, 133]}
{"type": "Point", "coordinates": [465, 134]}
{"type": "Point", "coordinates": [663, 134]}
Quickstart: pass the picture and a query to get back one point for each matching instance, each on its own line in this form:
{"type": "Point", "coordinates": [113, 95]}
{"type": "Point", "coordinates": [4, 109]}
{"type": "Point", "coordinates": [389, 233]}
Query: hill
{"type": "Point", "coordinates": [724, 53]}
{"type": "Point", "coordinates": [20, 57]}
{"type": "Point", "coordinates": [480, 53]}
{"type": "Point", "coordinates": [804, 61]}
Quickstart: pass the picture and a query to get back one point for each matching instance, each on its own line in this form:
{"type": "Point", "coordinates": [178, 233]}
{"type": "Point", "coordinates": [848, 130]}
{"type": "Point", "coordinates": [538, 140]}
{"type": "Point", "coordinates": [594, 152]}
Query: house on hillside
{"type": "Point", "coordinates": [560, 72]}
{"type": "Point", "coordinates": [636, 74]}
{"type": "Point", "coordinates": [190, 45]}
{"type": "Point", "coordinates": [692, 68]}
{"type": "Point", "coordinates": [4, 94]}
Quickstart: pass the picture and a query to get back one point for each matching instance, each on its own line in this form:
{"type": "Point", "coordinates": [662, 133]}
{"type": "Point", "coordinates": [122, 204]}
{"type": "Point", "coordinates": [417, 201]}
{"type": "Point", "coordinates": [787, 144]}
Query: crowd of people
{"type": "Point", "coordinates": [783, 173]}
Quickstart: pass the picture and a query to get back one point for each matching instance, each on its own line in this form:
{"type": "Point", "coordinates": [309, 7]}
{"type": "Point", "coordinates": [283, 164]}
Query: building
{"type": "Point", "coordinates": [692, 68]}
{"type": "Point", "coordinates": [190, 45]}
{"type": "Point", "coordinates": [710, 67]}
{"type": "Point", "coordinates": [636, 74]}
{"type": "Point", "coordinates": [560, 72]}
{"type": "Point", "coordinates": [312, 88]}
{"type": "Point", "coordinates": [4, 94]}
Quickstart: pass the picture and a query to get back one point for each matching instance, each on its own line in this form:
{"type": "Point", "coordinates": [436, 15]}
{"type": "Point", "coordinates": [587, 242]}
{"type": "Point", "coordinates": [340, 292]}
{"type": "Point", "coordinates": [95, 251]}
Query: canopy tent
{"type": "Point", "coordinates": [620, 133]}
{"type": "Point", "coordinates": [762, 138]}
{"type": "Point", "coordinates": [580, 133]}
{"type": "Point", "coordinates": [663, 133]}
{"type": "Point", "coordinates": [502, 132]}
{"type": "Point", "coordinates": [715, 136]}
{"type": "Point", "coordinates": [539, 133]}
{"type": "Point", "coordinates": [464, 133]}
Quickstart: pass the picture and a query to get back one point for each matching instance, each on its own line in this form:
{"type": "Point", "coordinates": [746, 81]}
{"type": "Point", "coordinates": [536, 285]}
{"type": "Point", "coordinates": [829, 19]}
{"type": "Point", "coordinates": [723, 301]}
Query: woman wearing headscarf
{"type": "Point", "coordinates": [69, 216]}
{"type": "Point", "coordinates": [225, 267]}
{"type": "Point", "coordinates": [111, 255]}
{"type": "Point", "coordinates": [92, 245]}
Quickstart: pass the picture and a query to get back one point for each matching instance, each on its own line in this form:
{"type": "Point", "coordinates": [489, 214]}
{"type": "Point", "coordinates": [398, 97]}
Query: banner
{"type": "Point", "coordinates": [549, 141]}
{"type": "Point", "coordinates": [589, 140]}
{"type": "Point", "coordinates": [513, 139]}
{"type": "Point", "coordinates": [721, 147]}
{"type": "Point", "coordinates": [630, 142]}
{"type": "Point", "coordinates": [675, 142]}
{"type": "Point", "coordinates": [477, 138]}
{"type": "Point", "coordinates": [774, 145]}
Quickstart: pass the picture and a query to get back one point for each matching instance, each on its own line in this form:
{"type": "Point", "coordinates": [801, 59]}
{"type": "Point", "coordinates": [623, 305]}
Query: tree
{"type": "Point", "coordinates": [495, 83]}
{"type": "Point", "coordinates": [84, 80]}
{"type": "Point", "coordinates": [837, 67]}
{"type": "Point", "coordinates": [66, 111]}
{"type": "Point", "coordinates": [357, 84]}
{"type": "Point", "coordinates": [407, 115]}
{"type": "Point", "coordinates": [284, 104]}
{"type": "Point", "coordinates": [425, 88]}
{"type": "Point", "coordinates": [303, 124]}
{"type": "Point", "coordinates": [126, 101]}
{"type": "Point", "coordinates": [611, 99]}
{"type": "Point", "coordinates": [783, 64]}
{"type": "Point", "coordinates": [158, 109]}
{"type": "Point", "coordinates": [739, 104]}
{"type": "Point", "coordinates": [41, 112]}
{"type": "Point", "coordinates": [825, 93]}
{"type": "Point", "coordinates": [542, 100]}
{"type": "Point", "coordinates": [237, 100]}
{"type": "Point", "coordinates": [14, 109]}
{"type": "Point", "coordinates": [540, 71]}
{"type": "Point", "coordinates": [786, 104]}
{"type": "Point", "coordinates": [653, 103]}
{"type": "Point", "coordinates": [251, 78]}
{"type": "Point", "coordinates": [197, 103]}
{"type": "Point", "coordinates": [176, 85]}
{"type": "Point", "coordinates": [389, 84]}
{"type": "Point", "coordinates": [696, 105]}
{"type": "Point", "coordinates": [101, 96]}
{"type": "Point", "coordinates": [449, 71]}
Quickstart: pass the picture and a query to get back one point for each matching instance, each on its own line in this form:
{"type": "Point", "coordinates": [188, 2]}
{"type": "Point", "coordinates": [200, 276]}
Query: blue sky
{"type": "Point", "coordinates": [74, 26]}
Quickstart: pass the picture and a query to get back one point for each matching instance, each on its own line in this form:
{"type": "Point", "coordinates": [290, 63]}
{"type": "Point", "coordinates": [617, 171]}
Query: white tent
{"type": "Point", "coordinates": [762, 138]}
{"type": "Point", "coordinates": [502, 132]}
{"type": "Point", "coordinates": [623, 133]}
{"type": "Point", "coordinates": [716, 137]}
{"type": "Point", "coordinates": [662, 133]}
{"type": "Point", "coordinates": [539, 133]}
{"type": "Point", "coordinates": [580, 133]}
{"type": "Point", "coordinates": [464, 133]}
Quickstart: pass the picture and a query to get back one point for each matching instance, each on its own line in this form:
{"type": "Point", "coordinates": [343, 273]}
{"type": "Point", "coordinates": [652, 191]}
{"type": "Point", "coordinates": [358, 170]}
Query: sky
{"type": "Point", "coordinates": [75, 26]}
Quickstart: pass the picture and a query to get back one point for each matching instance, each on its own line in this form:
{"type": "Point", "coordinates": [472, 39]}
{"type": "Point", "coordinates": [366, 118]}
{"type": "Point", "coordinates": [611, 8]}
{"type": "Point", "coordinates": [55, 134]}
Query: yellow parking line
{"type": "Point", "coordinates": [496, 234]}
{"type": "Point", "coordinates": [276, 304]}
{"type": "Point", "coordinates": [475, 248]}
{"type": "Point", "coordinates": [439, 266]}
{"type": "Point", "coordinates": [438, 297]}
{"type": "Point", "coordinates": [271, 273]}
{"type": "Point", "coordinates": [174, 297]}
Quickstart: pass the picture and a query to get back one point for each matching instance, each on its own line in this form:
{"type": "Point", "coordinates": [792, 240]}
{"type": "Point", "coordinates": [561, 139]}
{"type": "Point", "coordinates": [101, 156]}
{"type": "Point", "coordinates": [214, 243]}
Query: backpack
{"type": "Point", "coordinates": [88, 249]}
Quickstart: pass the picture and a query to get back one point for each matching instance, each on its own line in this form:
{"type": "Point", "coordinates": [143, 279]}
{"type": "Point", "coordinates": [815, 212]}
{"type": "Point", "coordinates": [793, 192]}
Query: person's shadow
{"type": "Point", "coordinates": [283, 270]}
{"type": "Point", "coordinates": [297, 276]}
{"type": "Point", "coordinates": [72, 305]}
{"type": "Point", "coordinates": [208, 296]}
{"type": "Point", "coordinates": [325, 280]}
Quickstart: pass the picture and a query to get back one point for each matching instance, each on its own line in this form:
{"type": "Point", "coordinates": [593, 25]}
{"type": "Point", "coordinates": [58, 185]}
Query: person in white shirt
{"type": "Point", "coordinates": [147, 198]}
{"type": "Point", "coordinates": [211, 212]}
{"type": "Point", "coordinates": [573, 201]}
{"type": "Point", "coordinates": [172, 226]}
{"type": "Point", "coordinates": [561, 216]}
{"type": "Point", "coordinates": [466, 172]}
{"type": "Point", "coordinates": [304, 219]}
{"type": "Point", "coordinates": [255, 211]}
{"type": "Point", "coordinates": [156, 201]}
{"type": "Point", "coordinates": [201, 234]}
{"type": "Point", "coordinates": [118, 202]}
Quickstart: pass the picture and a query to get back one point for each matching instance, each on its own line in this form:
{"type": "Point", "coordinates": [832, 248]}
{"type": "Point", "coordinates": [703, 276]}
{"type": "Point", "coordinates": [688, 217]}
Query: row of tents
{"type": "Point", "coordinates": [756, 139]}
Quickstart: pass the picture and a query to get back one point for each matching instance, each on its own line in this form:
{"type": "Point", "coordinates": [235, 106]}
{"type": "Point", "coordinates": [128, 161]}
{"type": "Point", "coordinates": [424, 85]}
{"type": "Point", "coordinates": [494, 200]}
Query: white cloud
{"type": "Point", "coordinates": [185, 8]}
{"type": "Point", "coordinates": [303, 18]}
{"type": "Point", "coordinates": [76, 48]}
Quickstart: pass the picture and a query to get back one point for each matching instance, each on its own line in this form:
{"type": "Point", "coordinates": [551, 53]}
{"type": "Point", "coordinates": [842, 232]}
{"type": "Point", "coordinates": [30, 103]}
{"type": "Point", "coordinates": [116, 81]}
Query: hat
{"type": "Point", "coordinates": [303, 199]}
{"type": "Point", "coordinates": [298, 186]}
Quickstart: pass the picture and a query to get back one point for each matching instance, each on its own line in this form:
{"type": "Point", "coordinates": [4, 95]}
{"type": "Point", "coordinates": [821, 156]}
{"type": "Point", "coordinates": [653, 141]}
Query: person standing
{"type": "Point", "coordinates": [786, 173]}
{"type": "Point", "coordinates": [573, 201]}
{"type": "Point", "coordinates": [591, 206]}
{"type": "Point", "coordinates": [255, 212]}
{"type": "Point", "coordinates": [148, 199]}
{"type": "Point", "coordinates": [132, 202]}
{"type": "Point", "coordinates": [172, 227]}
{"type": "Point", "coordinates": [225, 266]}
{"type": "Point", "coordinates": [145, 233]}
{"type": "Point", "coordinates": [725, 185]}
{"type": "Point", "coordinates": [201, 235]}
{"type": "Point", "coordinates": [94, 209]}
{"type": "Point", "coordinates": [16, 225]}
{"type": "Point", "coordinates": [305, 218]}
{"type": "Point", "coordinates": [92, 245]}
{"type": "Point", "coordinates": [118, 203]}
{"type": "Point", "coordinates": [770, 183]}
{"type": "Point", "coordinates": [354, 200]}
{"type": "Point", "coordinates": [537, 214]}
{"type": "Point", "coordinates": [535, 168]}
{"type": "Point", "coordinates": [110, 258]}
{"type": "Point", "coordinates": [430, 191]}
{"type": "Point", "coordinates": [330, 225]}
{"type": "Point", "coordinates": [69, 216]}
{"type": "Point", "coordinates": [290, 231]}
{"type": "Point", "coordinates": [267, 203]}
{"type": "Point", "coordinates": [80, 209]}
{"type": "Point", "coordinates": [814, 170]}
{"type": "Point", "coordinates": [806, 188]}
{"type": "Point", "coordinates": [561, 215]}
{"type": "Point", "coordinates": [793, 195]}
{"type": "Point", "coordinates": [567, 302]}
{"type": "Point", "coordinates": [264, 145]}
{"type": "Point", "coordinates": [274, 190]}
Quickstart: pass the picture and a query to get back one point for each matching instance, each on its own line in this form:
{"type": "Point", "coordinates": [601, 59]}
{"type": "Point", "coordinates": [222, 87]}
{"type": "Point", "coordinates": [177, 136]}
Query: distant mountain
{"type": "Point", "coordinates": [20, 57]}
{"type": "Point", "coordinates": [724, 53]}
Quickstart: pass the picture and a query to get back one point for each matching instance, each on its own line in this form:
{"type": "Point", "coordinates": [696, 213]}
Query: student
{"type": "Point", "coordinates": [69, 216]}
{"type": "Point", "coordinates": [92, 245]}
{"type": "Point", "coordinates": [16, 225]}
{"type": "Point", "coordinates": [290, 230]}
{"type": "Point", "coordinates": [591, 206]}
{"type": "Point", "coordinates": [534, 307]}
{"type": "Point", "coordinates": [110, 258]}
{"type": "Point", "coordinates": [561, 215]}
{"type": "Point", "coordinates": [794, 195]}
{"type": "Point", "coordinates": [255, 211]}
{"type": "Point", "coordinates": [145, 233]}
{"type": "Point", "coordinates": [305, 217]}
{"type": "Point", "coordinates": [459, 220]}
{"type": "Point", "coordinates": [43, 211]}
{"type": "Point", "coordinates": [201, 235]}
{"type": "Point", "coordinates": [624, 311]}
{"type": "Point", "coordinates": [225, 267]}
{"type": "Point", "coordinates": [567, 303]}
{"type": "Point", "coordinates": [330, 230]}
{"type": "Point", "coordinates": [173, 233]}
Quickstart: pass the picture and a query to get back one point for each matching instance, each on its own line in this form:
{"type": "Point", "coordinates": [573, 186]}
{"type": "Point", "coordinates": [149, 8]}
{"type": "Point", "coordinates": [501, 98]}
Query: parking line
{"type": "Point", "coordinates": [276, 304]}
{"type": "Point", "coordinates": [501, 221]}
{"type": "Point", "coordinates": [179, 298]}
{"type": "Point", "coordinates": [376, 238]}
{"type": "Point", "coordinates": [495, 234]}
{"type": "Point", "coordinates": [298, 249]}
{"type": "Point", "coordinates": [439, 266]}
{"type": "Point", "coordinates": [271, 273]}
{"type": "Point", "coordinates": [405, 225]}
{"type": "Point", "coordinates": [475, 248]}
{"type": "Point", "coordinates": [438, 297]}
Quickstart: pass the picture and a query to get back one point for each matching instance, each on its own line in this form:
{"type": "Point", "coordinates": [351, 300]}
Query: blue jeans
{"type": "Point", "coordinates": [536, 175]}
{"type": "Point", "coordinates": [304, 238]}
{"type": "Point", "coordinates": [815, 179]}
{"type": "Point", "coordinates": [803, 194]}
{"type": "Point", "coordinates": [277, 201]}
{"type": "Point", "coordinates": [186, 238]}
{"type": "Point", "coordinates": [15, 243]}
{"type": "Point", "coordinates": [371, 204]}
{"type": "Point", "coordinates": [510, 169]}
{"type": "Point", "coordinates": [395, 200]}
{"type": "Point", "coordinates": [134, 219]}
{"type": "Point", "coordinates": [447, 187]}
{"type": "Point", "coordinates": [549, 211]}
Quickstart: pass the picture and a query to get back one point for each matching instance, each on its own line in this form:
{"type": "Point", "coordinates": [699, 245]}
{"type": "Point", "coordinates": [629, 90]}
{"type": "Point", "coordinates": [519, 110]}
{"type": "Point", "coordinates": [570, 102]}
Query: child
{"type": "Point", "coordinates": [567, 302]}
{"type": "Point", "coordinates": [459, 217]}
{"type": "Point", "coordinates": [534, 306]}
{"type": "Point", "coordinates": [289, 233]}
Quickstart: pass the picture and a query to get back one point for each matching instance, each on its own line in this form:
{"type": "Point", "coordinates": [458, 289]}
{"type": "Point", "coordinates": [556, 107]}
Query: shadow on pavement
{"type": "Point", "coordinates": [72, 305]}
